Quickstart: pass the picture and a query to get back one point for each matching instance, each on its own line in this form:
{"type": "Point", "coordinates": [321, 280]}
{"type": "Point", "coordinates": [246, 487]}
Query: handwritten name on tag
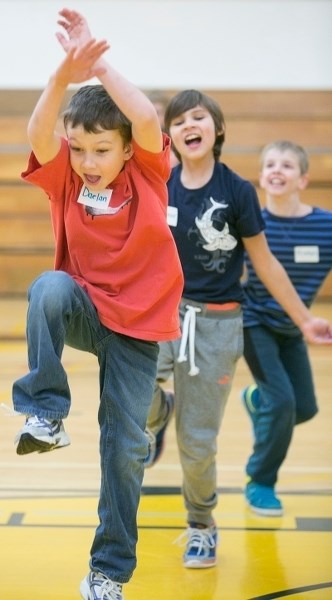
{"type": "Point", "coordinates": [99, 199]}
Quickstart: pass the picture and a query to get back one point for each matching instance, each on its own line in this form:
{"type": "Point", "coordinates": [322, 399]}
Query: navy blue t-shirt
{"type": "Point", "coordinates": [208, 225]}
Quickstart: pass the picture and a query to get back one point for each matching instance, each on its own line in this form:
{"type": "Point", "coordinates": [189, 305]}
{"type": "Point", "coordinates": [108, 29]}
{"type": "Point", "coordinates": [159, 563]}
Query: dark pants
{"type": "Point", "coordinates": [281, 369]}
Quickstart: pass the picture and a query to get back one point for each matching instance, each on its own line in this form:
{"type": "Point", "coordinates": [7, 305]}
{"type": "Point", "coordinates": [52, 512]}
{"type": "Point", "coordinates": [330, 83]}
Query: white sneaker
{"type": "Point", "coordinates": [97, 586]}
{"type": "Point", "coordinates": [41, 435]}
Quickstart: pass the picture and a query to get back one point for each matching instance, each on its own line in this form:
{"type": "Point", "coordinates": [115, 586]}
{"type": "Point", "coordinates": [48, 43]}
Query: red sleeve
{"type": "Point", "coordinates": [155, 166]}
{"type": "Point", "coordinates": [51, 176]}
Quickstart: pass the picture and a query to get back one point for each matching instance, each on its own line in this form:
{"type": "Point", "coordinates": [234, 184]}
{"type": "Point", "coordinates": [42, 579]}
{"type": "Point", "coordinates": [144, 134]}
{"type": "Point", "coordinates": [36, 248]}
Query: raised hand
{"type": "Point", "coordinates": [83, 51]}
{"type": "Point", "coordinates": [76, 27]}
{"type": "Point", "coordinates": [80, 63]}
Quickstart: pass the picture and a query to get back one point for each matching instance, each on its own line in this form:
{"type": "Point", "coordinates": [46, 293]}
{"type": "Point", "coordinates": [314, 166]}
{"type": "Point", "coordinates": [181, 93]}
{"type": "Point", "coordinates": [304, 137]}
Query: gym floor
{"type": "Point", "coordinates": [48, 502]}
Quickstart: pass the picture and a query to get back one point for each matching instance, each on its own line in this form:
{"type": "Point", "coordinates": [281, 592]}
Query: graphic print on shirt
{"type": "Point", "coordinates": [214, 234]}
{"type": "Point", "coordinates": [95, 212]}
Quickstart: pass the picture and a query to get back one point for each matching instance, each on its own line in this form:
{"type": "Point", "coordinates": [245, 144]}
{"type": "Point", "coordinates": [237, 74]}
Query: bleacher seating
{"type": "Point", "coordinates": [253, 118]}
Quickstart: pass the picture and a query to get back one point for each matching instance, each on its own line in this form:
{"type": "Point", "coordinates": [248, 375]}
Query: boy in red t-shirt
{"type": "Point", "coordinates": [116, 286]}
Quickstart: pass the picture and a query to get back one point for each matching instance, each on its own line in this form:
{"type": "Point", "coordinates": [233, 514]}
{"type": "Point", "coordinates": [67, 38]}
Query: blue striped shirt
{"type": "Point", "coordinates": [303, 245]}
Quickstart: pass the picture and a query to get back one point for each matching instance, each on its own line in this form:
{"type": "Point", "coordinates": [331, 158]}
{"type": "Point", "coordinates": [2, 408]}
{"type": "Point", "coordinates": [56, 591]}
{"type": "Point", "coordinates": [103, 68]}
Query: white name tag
{"type": "Point", "coordinates": [172, 216]}
{"type": "Point", "coordinates": [306, 254]}
{"type": "Point", "coordinates": [99, 199]}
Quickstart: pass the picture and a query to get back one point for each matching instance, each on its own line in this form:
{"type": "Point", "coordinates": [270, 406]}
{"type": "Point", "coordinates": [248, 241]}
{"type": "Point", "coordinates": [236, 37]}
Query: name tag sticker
{"type": "Point", "coordinates": [306, 254]}
{"type": "Point", "coordinates": [99, 199]}
{"type": "Point", "coordinates": [172, 216]}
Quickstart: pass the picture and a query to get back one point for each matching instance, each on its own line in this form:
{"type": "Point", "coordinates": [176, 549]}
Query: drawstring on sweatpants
{"type": "Point", "coordinates": [188, 337]}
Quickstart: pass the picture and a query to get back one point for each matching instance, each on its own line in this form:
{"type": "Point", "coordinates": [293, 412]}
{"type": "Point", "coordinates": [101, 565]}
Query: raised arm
{"type": "Point", "coordinates": [273, 275]}
{"type": "Point", "coordinates": [131, 101]}
{"type": "Point", "coordinates": [77, 66]}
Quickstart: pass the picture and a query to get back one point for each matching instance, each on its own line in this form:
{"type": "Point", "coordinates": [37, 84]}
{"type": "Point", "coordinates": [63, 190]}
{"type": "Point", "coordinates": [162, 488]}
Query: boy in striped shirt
{"type": "Point", "coordinates": [300, 236]}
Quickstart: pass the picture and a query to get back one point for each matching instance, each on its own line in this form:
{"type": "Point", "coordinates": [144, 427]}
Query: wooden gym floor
{"type": "Point", "coordinates": [48, 502]}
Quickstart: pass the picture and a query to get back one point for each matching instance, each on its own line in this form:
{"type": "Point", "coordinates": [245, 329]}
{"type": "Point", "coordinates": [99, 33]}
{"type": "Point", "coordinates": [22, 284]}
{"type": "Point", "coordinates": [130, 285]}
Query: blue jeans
{"type": "Point", "coordinates": [60, 312]}
{"type": "Point", "coordinates": [281, 369]}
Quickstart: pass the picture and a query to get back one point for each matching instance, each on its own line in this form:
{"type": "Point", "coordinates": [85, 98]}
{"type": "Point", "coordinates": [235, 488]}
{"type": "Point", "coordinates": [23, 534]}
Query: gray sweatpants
{"type": "Point", "coordinates": [200, 399]}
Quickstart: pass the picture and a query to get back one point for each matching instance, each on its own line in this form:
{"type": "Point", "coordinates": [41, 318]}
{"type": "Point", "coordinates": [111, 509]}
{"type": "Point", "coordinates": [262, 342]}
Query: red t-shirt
{"type": "Point", "coordinates": [126, 261]}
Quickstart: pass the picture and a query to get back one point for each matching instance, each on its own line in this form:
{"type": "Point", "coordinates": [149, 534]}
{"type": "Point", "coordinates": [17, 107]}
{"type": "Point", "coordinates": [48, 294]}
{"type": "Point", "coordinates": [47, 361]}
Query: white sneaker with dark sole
{"type": "Point", "coordinates": [41, 435]}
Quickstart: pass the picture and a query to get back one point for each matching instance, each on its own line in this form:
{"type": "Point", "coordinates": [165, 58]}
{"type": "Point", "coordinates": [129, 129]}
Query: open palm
{"type": "Point", "coordinates": [76, 27]}
{"type": "Point", "coordinates": [82, 50]}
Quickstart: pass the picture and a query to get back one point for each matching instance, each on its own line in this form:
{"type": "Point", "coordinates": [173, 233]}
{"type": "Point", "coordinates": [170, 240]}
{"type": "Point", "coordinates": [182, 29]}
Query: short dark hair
{"type": "Point", "coordinates": [188, 99]}
{"type": "Point", "coordinates": [93, 108]}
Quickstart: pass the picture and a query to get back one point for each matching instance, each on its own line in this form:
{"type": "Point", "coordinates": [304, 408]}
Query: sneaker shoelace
{"type": "Point", "coordinates": [9, 411]}
{"type": "Point", "coordinates": [200, 539]}
{"type": "Point", "coordinates": [35, 421]}
{"type": "Point", "coordinates": [109, 590]}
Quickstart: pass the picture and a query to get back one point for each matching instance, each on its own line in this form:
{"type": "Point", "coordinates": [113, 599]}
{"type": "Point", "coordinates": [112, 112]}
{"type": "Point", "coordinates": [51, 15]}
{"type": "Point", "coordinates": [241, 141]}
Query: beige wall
{"type": "Point", "coordinates": [232, 44]}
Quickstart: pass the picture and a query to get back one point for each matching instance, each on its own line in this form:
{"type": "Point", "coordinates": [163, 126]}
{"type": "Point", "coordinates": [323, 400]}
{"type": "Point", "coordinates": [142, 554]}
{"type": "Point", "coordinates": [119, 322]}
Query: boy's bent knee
{"type": "Point", "coordinates": [51, 281]}
{"type": "Point", "coordinates": [51, 287]}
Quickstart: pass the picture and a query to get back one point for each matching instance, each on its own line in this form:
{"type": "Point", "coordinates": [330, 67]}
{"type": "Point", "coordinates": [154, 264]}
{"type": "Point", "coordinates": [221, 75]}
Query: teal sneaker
{"type": "Point", "coordinates": [262, 500]}
{"type": "Point", "coordinates": [250, 399]}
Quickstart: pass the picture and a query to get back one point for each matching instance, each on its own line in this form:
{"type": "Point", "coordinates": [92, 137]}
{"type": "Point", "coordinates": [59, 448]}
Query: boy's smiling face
{"type": "Point", "coordinates": [281, 174]}
{"type": "Point", "coordinates": [97, 157]}
{"type": "Point", "coordinates": [193, 133]}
